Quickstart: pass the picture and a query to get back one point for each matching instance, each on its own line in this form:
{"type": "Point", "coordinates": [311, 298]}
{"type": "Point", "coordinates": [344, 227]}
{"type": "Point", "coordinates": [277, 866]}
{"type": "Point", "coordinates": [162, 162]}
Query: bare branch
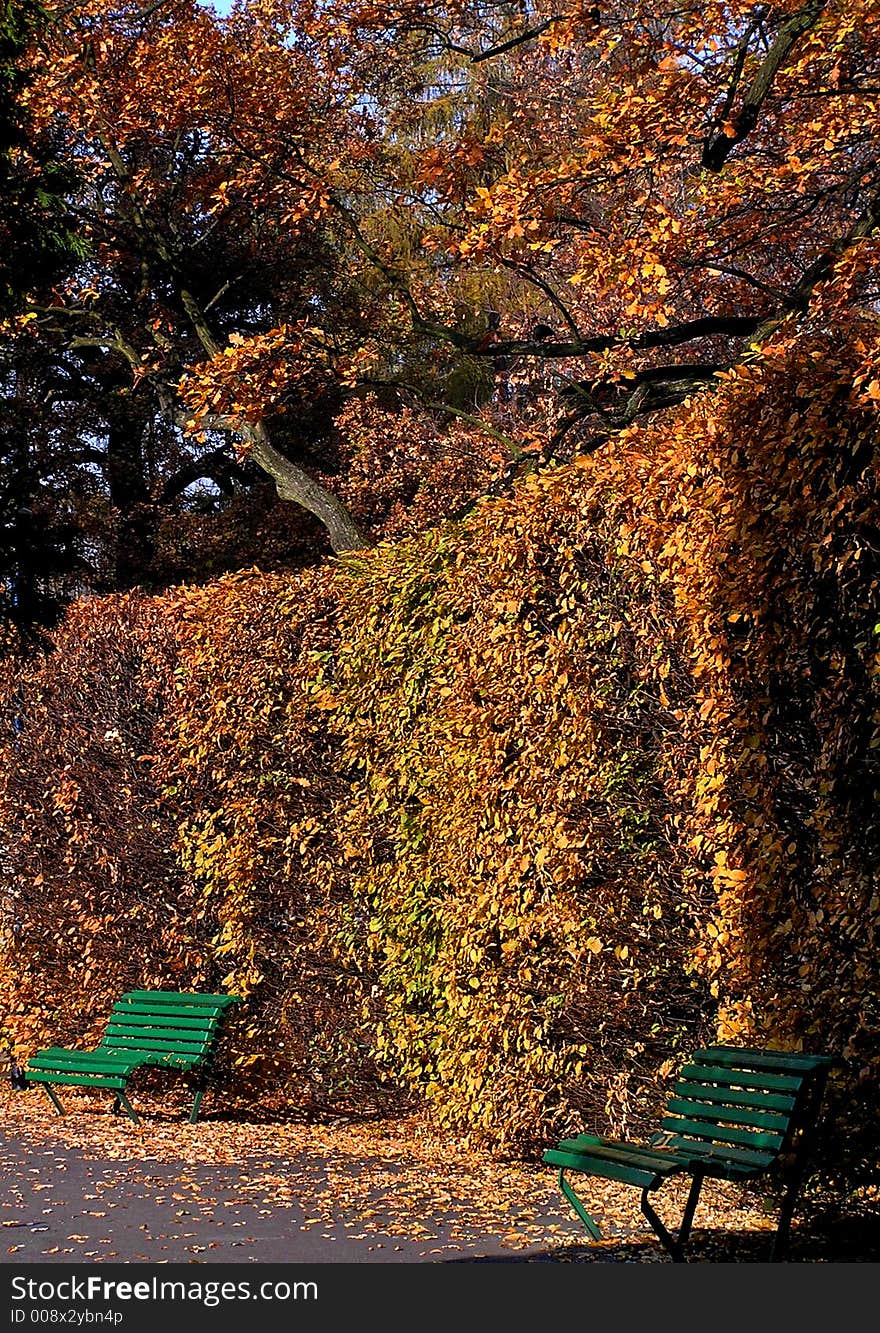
{"type": "Point", "coordinates": [516, 41]}
{"type": "Point", "coordinates": [525, 271]}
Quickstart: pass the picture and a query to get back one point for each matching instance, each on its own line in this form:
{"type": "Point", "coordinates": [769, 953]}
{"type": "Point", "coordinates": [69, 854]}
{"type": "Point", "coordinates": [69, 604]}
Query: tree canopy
{"type": "Point", "coordinates": [386, 257]}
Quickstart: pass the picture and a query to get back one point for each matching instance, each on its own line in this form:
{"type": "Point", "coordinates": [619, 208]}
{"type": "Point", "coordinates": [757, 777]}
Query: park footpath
{"type": "Point", "coordinates": [92, 1187]}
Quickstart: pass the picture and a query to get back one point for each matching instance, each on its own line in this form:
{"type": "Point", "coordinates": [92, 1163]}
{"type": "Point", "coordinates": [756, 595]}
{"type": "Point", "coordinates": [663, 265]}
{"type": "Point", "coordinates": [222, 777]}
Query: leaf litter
{"type": "Point", "coordinates": [380, 1182]}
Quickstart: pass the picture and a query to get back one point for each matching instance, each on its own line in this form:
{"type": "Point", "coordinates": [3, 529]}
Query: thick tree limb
{"type": "Point", "coordinates": [718, 147]}
{"type": "Point", "coordinates": [674, 335]}
{"type": "Point", "coordinates": [739, 61]}
{"type": "Point", "coordinates": [291, 481]}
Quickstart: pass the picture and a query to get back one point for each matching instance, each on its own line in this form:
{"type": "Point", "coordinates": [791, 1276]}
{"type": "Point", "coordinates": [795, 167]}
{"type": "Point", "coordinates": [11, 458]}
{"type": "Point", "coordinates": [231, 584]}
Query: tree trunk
{"type": "Point", "coordinates": [129, 493]}
{"type": "Point", "coordinates": [292, 483]}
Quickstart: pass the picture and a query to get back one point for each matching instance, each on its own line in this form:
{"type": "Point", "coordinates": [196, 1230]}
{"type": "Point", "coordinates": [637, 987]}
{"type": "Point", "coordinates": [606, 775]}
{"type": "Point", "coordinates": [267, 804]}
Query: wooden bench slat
{"type": "Point", "coordinates": [127, 1053]}
{"type": "Point", "coordinates": [773, 1101]}
{"type": "Point", "coordinates": [703, 1129]}
{"type": "Point", "coordinates": [769, 1060]}
{"type": "Point", "coordinates": [195, 998]}
{"type": "Point", "coordinates": [610, 1170]}
{"type": "Point", "coordinates": [204, 1014]}
{"type": "Point", "coordinates": [145, 1047]}
{"type": "Point", "coordinates": [637, 1155]}
{"type": "Point", "coordinates": [737, 1078]}
{"type": "Point", "coordinates": [64, 1050]}
{"type": "Point", "coordinates": [172, 1060]}
{"type": "Point", "coordinates": [125, 1036]}
{"type": "Point", "coordinates": [727, 1153]}
{"type": "Point", "coordinates": [75, 1080]}
{"type": "Point", "coordinates": [180, 1048]}
{"type": "Point", "coordinates": [74, 1060]}
{"type": "Point", "coordinates": [157, 1034]}
{"type": "Point", "coordinates": [192, 1023]}
{"type": "Point", "coordinates": [734, 1115]}
{"type": "Point", "coordinates": [193, 1013]}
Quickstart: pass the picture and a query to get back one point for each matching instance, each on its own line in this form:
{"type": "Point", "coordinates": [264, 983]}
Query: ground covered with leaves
{"type": "Point", "coordinates": [94, 1187]}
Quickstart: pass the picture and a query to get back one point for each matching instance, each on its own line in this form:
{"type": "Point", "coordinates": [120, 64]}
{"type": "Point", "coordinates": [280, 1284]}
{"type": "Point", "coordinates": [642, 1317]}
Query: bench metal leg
{"type": "Point", "coordinates": [200, 1092]}
{"type": "Point", "coordinates": [667, 1240]}
{"type": "Point", "coordinates": [674, 1245]}
{"type": "Point", "coordinates": [684, 1230]}
{"type": "Point", "coordinates": [130, 1111]}
{"type": "Point", "coordinates": [578, 1207]}
{"type": "Point", "coordinates": [55, 1102]}
{"type": "Point", "coordinates": [786, 1212]}
{"type": "Point", "coordinates": [798, 1172]}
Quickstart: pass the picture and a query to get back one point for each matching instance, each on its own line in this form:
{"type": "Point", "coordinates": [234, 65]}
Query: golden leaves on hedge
{"type": "Point", "coordinates": [505, 815]}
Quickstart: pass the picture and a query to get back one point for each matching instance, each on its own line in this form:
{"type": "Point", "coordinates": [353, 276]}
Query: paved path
{"type": "Point", "coordinates": [93, 1188]}
{"type": "Point", "coordinates": [56, 1205]}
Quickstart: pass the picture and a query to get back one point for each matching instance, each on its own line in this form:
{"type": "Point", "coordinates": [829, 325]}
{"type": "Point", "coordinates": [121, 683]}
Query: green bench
{"type": "Point", "coordinates": [733, 1115]}
{"type": "Point", "coordinates": [174, 1029]}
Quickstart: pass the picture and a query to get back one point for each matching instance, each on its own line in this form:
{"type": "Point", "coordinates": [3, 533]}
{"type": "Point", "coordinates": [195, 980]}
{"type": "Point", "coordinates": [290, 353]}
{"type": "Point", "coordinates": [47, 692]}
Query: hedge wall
{"type": "Point", "coordinates": [505, 816]}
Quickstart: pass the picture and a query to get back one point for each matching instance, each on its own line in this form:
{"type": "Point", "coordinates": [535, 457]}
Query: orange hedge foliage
{"type": "Point", "coordinates": [760, 515]}
{"type": "Point", "coordinates": [254, 771]}
{"type": "Point", "coordinates": [91, 886]}
{"type": "Point", "coordinates": [512, 812]}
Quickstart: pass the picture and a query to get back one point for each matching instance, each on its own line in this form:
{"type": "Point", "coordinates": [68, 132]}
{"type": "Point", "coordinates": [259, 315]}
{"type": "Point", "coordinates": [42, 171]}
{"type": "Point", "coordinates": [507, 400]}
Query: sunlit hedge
{"type": "Point", "coordinates": [507, 815]}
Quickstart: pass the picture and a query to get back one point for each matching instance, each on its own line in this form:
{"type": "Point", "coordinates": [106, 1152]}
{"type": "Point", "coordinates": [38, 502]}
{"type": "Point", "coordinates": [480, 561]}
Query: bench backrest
{"type": "Point", "coordinates": [748, 1104]}
{"type": "Point", "coordinates": [166, 1027]}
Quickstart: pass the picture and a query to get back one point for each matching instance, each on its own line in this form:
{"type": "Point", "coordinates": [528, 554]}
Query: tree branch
{"type": "Point", "coordinates": [293, 483]}
{"type": "Point", "coordinates": [736, 74]}
{"type": "Point", "coordinates": [477, 57]}
{"type": "Point", "coordinates": [709, 326]}
{"type": "Point", "coordinates": [512, 42]}
{"type": "Point", "coordinates": [618, 403]}
{"type": "Point", "coordinates": [733, 271]}
{"type": "Point", "coordinates": [525, 271]}
{"type": "Point", "coordinates": [867, 223]}
{"type": "Point", "coordinates": [214, 464]}
{"type": "Point", "coordinates": [717, 150]}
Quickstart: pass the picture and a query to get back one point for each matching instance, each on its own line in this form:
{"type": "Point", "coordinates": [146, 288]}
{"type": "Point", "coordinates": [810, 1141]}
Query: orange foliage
{"type": "Point", "coordinates": [758, 516]}
{"type": "Point", "coordinates": [291, 205]}
{"type": "Point", "coordinates": [403, 472]}
{"type": "Point", "coordinates": [91, 889]}
{"type": "Point", "coordinates": [515, 810]}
